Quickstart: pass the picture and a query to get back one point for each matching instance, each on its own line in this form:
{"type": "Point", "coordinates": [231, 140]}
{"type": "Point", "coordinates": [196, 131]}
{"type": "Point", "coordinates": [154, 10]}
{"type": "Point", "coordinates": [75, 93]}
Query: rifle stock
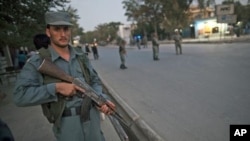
{"type": "Point", "coordinates": [48, 68]}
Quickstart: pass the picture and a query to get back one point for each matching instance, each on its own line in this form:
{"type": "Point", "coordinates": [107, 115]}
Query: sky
{"type": "Point", "coordinates": [95, 12]}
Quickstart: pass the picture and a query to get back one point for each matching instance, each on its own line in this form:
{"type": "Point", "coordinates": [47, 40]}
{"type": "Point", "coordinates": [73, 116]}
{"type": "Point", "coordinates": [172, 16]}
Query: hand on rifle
{"type": "Point", "coordinates": [68, 89]}
{"type": "Point", "coordinates": [107, 108]}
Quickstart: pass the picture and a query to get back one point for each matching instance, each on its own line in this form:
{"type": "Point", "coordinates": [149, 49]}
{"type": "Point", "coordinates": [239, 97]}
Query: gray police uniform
{"type": "Point", "coordinates": [30, 90]}
{"type": "Point", "coordinates": [177, 39]}
{"type": "Point", "coordinates": [122, 53]}
{"type": "Point", "coordinates": [155, 44]}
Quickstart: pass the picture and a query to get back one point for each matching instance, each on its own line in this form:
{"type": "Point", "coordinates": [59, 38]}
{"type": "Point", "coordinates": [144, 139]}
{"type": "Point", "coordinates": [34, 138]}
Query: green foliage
{"type": "Point", "coordinates": [76, 29]}
{"type": "Point", "coordinates": [103, 33]}
{"type": "Point", "coordinates": [163, 16]}
{"type": "Point", "coordinates": [119, 40]}
{"type": "Point", "coordinates": [240, 10]}
{"type": "Point", "coordinates": [20, 20]}
{"type": "Point", "coordinates": [157, 14]}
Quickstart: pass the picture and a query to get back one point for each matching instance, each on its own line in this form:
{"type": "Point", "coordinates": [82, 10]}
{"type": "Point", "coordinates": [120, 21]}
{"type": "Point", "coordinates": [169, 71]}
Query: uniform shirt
{"type": "Point", "coordinates": [122, 49]}
{"type": "Point", "coordinates": [29, 89]}
{"type": "Point", "coordinates": [177, 38]}
{"type": "Point", "coordinates": [155, 41]}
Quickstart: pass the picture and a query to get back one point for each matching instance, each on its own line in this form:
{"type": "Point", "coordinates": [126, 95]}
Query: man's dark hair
{"type": "Point", "coordinates": [41, 40]}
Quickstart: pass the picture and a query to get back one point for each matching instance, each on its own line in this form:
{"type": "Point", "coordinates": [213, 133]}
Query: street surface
{"type": "Point", "coordinates": [189, 97]}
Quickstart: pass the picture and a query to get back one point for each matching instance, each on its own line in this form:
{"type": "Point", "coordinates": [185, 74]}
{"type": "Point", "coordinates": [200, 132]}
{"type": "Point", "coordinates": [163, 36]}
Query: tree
{"type": "Point", "coordinates": [22, 19]}
{"type": "Point", "coordinates": [107, 32]}
{"type": "Point", "coordinates": [143, 13]}
{"type": "Point", "coordinates": [159, 14]}
{"type": "Point", "coordinates": [175, 14]}
{"type": "Point", "coordinates": [104, 33]}
{"type": "Point", "coordinates": [76, 29]}
{"type": "Point", "coordinates": [240, 10]}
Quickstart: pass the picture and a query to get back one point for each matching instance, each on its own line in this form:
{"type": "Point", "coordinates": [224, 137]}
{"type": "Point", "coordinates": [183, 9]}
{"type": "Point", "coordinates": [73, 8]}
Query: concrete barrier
{"type": "Point", "coordinates": [138, 129]}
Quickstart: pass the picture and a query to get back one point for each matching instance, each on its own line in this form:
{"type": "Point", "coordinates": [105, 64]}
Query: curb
{"type": "Point", "coordinates": [244, 39]}
{"type": "Point", "coordinates": [149, 133]}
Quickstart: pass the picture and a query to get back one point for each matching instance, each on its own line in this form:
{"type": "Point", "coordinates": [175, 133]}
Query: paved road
{"type": "Point", "coordinates": [191, 97]}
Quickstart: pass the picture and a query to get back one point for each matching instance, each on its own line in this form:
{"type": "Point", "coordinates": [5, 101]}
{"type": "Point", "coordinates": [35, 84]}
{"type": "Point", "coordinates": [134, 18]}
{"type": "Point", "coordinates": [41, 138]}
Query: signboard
{"type": "Point", "coordinates": [226, 18]}
{"type": "Point", "coordinates": [225, 9]}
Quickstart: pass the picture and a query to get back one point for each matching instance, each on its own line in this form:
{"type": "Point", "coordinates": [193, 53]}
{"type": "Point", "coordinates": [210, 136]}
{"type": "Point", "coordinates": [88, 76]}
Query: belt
{"type": "Point", "coordinates": [72, 111]}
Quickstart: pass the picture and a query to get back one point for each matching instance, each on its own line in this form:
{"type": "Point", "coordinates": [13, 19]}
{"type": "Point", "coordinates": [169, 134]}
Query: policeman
{"type": "Point", "coordinates": [74, 118]}
{"type": "Point", "coordinates": [95, 50]}
{"type": "Point", "coordinates": [155, 47]}
{"type": "Point", "coordinates": [122, 53]}
{"type": "Point", "coordinates": [87, 50]}
{"type": "Point", "coordinates": [177, 38]}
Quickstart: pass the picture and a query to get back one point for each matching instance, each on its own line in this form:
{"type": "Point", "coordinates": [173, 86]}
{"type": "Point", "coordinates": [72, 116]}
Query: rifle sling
{"type": "Point", "coordinates": [87, 102]}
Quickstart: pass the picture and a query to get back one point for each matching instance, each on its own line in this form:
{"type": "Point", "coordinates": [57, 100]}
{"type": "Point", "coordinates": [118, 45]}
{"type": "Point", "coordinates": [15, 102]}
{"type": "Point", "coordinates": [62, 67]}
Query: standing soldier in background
{"type": "Point", "coordinates": [87, 50]}
{"type": "Point", "coordinates": [155, 46]}
{"type": "Point", "coordinates": [145, 42]}
{"type": "Point", "coordinates": [22, 57]}
{"type": "Point", "coordinates": [74, 118]}
{"type": "Point", "coordinates": [122, 53]}
{"type": "Point", "coordinates": [138, 42]}
{"type": "Point", "coordinates": [177, 38]}
{"type": "Point", "coordinates": [95, 50]}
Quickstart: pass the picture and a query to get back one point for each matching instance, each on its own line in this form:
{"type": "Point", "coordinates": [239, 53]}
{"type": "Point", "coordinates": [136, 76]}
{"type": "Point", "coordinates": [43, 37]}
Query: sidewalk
{"type": "Point", "coordinates": [29, 124]}
{"type": "Point", "coordinates": [217, 39]}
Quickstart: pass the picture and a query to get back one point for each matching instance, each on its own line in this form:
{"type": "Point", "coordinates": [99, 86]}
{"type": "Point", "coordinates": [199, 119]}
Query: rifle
{"type": "Point", "coordinates": [48, 68]}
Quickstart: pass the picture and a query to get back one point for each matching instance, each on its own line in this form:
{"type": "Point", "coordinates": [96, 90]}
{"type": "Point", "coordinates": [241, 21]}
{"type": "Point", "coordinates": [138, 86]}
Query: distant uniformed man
{"type": "Point", "coordinates": [95, 50]}
{"type": "Point", "coordinates": [145, 41]}
{"type": "Point", "coordinates": [138, 42]}
{"type": "Point", "coordinates": [155, 46]}
{"type": "Point", "coordinates": [177, 38]}
{"type": "Point", "coordinates": [87, 50]}
{"type": "Point", "coordinates": [74, 118]}
{"type": "Point", "coordinates": [122, 53]}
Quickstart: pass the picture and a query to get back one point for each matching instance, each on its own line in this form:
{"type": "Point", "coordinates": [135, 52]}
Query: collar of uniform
{"type": "Point", "coordinates": [55, 55]}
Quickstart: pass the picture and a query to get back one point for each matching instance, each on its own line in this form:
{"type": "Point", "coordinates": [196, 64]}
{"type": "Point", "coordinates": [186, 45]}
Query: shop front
{"type": "Point", "coordinates": [206, 28]}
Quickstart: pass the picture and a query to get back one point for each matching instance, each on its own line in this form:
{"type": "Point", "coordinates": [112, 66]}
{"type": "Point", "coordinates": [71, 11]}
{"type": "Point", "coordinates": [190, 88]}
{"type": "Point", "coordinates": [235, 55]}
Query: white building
{"type": "Point", "coordinates": [125, 32]}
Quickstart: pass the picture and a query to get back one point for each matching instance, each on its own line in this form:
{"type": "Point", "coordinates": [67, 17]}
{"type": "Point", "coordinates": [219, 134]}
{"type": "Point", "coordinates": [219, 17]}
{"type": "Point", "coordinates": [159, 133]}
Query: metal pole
{"type": "Point", "coordinates": [8, 56]}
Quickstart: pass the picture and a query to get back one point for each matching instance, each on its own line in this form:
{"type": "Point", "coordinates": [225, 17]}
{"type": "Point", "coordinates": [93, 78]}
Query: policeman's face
{"type": "Point", "coordinates": [59, 35]}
